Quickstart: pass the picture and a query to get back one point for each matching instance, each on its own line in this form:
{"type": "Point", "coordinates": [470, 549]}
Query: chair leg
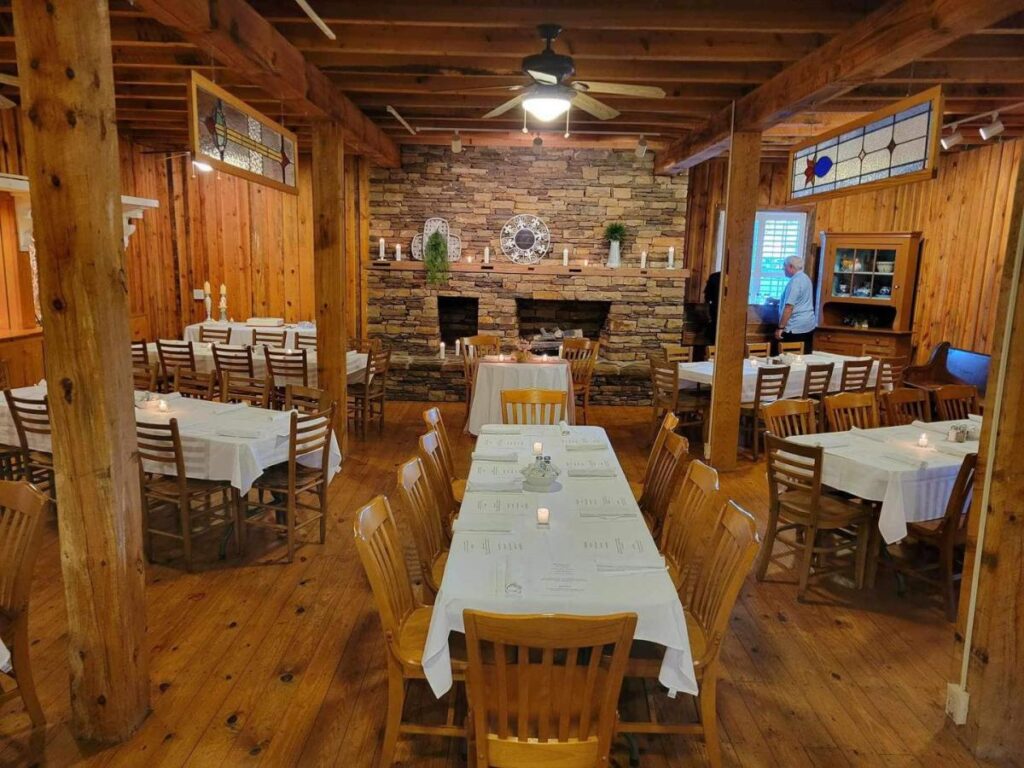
{"type": "Point", "coordinates": [810, 542]}
{"type": "Point", "coordinates": [771, 531]}
{"type": "Point", "coordinates": [23, 671]}
{"type": "Point", "coordinates": [323, 511]}
{"type": "Point", "coordinates": [393, 721]}
{"type": "Point", "coordinates": [290, 523]}
{"type": "Point", "coordinates": [709, 719]}
{"type": "Point", "coordinates": [863, 552]}
{"type": "Point", "coordinates": [950, 583]}
{"type": "Point", "coordinates": [185, 519]}
{"type": "Point", "coordinates": [235, 500]}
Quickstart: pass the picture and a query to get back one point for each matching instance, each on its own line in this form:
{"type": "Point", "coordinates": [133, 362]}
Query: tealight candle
{"type": "Point", "coordinates": [162, 405]}
{"type": "Point", "coordinates": [922, 441]}
{"type": "Point", "coordinates": [538, 449]}
{"type": "Point", "coordinates": [469, 259]}
{"type": "Point", "coordinates": [543, 515]}
{"type": "Point", "coordinates": [753, 362]}
{"type": "Point", "coordinates": [586, 262]}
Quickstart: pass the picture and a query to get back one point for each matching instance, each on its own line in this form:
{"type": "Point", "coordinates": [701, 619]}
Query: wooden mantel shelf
{"type": "Point", "coordinates": [544, 268]}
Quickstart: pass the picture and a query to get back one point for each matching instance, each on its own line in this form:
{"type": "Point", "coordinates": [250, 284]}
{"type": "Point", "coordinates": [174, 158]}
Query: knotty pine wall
{"type": "Point", "coordinates": [962, 213]}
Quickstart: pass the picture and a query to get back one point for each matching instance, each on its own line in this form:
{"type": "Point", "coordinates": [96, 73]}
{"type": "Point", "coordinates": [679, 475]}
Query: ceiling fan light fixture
{"type": "Point", "coordinates": [992, 129]}
{"type": "Point", "coordinates": [548, 102]}
{"type": "Point", "coordinates": [538, 142]}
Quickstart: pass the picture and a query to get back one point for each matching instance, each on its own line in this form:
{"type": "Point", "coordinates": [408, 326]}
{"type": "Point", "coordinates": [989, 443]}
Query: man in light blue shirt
{"type": "Point", "coordinates": [798, 319]}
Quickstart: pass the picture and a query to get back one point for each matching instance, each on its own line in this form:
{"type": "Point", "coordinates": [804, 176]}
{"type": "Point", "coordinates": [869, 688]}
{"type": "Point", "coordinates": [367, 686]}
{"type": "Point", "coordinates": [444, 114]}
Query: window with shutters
{"type": "Point", "coordinates": [777, 234]}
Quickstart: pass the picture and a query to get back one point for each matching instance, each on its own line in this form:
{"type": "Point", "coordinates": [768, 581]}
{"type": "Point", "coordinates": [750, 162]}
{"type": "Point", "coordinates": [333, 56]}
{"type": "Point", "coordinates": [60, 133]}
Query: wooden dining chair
{"type": "Point", "coordinates": [305, 399]}
{"type": "Point", "coordinates": [677, 353]}
{"type": "Point", "coordinates": [769, 386]}
{"type": "Point", "coordinates": [262, 337]}
{"type": "Point", "coordinates": [473, 348]}
{"type": "Point", "coordinates": [796, 502]}
{"type": "Point", "coordinates": [729, 553]}
{"type": "Point", "coordinates": [432, 418]}
{"type": "Point", "coordinates": [856, 375]}
{"type": "Point", "coordinates": [31, 417]}
{"type": "Point", "coordinates": [905, 406]}
{"type": "Point", "coordinates": [955, 402]}
{"type": "Point", "coordinates": [432, 456]}
{"type": "Point", "coordinates": [367, 398]}
{"type": "Point", "coordinates": [140, 355]}
{"type": "Point", "coordinates": [202, 385]}
{"type": "Point", "coordinates": [534, 406]}
{"type": "Point", "coordinates": [710, 351]}
{"type": "Point", "coordinates": [817, 381]}
{"type": "Point", "coordinates": [173, 355]}
{"type": "Point", "coordinates": [426, 510]}
{"type": "Point", "coordinates": [946, 536]}
{"type": "Point", "coordinates": [787, 418]}
{"type": "Point", "coordinates": [791, 348]}
{"type": "Point", "coordinates": [284, 367]}
{"type": "Point", "coordinates": [209, 334]}
{"type": "Point", "coordinates": [890, 374]}
{"type": "Point", "coordinates": [668, 424]}
{"type": "Point", "coordinates": [847, 410]}
{"type": "Point", "coordinates": [23, 513]}
{"type": "Point", "coordinates": [544, 689]}
{"type": "Point", "coordinates": [188, 508]}
{"type": "Point", "coordinates": [688, 525]}
{"type": "Point", "coordinates": [666, 397]}
{"type": "Point", "coordinates": [144, 377]}
{"type": "Point", "coordinates": [306, 341]}
{"type": "Point", "coordinates": [404, 621]}
{"type": "Point", "coordinates": [582, 357]}
{"type": "Point", "coordinates": [233, 359]}
{"type": "Point", "coordinates": [762, 349]}
{"type": "Point", "coordinates": [239, 388]}
{"type": "Point", "coordinates": [297, 489]}
{"type": "Point", "coordinates": [665, 479]}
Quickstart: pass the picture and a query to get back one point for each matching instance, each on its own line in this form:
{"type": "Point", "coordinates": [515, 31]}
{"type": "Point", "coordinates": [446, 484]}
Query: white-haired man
{"type": "Point", "coordinates": [798, 319]}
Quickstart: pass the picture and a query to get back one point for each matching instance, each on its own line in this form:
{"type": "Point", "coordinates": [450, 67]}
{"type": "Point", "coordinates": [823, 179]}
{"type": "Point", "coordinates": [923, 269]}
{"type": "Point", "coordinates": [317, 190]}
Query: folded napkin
{"type": "Point", "coordinates": [957, 449]}
{"type": "Point", "coordinates": [494, 486]}
{"type": "Point", "coordinates": [585, 445]}
{"type": "Point", "coordinates": [563, 425]}
{"type": "Point", "coordinates": [495, 456]}
{"type": "Point", "coordinates": [250, 432]}
{"type": "Point", "coordinates": [500, 429]}
{"type": "Point", "coordinates": [482, 526]}
{"type": "Point", "coordinates": [975, 417]}
{"type": "Point", "coordinates": [592, 471]}
{"type": "Point", "coordinates": [614, 568]}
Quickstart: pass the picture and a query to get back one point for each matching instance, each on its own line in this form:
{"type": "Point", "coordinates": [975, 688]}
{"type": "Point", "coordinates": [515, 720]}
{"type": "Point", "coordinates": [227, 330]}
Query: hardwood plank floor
{"type": "Point", "coordinates": [277, 665]}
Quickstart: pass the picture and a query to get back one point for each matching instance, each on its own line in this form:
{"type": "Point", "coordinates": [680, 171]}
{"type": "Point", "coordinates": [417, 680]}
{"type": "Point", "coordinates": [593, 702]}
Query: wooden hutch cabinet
{"type": "Point", "coordinates": [866, 295]}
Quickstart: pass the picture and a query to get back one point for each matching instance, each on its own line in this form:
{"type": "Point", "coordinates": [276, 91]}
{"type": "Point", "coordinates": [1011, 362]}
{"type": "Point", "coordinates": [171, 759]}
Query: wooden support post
{"type": "Point", "coordinates": [329, 269]}
{"type": "Point", "coordinates": [995, 632]}
{"type": "Point", "coordinates": [67, 93]}
{"type": "Point", "coordinates": [727, 384]}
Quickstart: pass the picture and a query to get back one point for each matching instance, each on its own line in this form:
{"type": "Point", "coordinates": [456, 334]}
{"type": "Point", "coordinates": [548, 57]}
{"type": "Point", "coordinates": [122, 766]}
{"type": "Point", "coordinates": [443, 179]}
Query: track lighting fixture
{"type": "Point", "coordinates": [993, 129]}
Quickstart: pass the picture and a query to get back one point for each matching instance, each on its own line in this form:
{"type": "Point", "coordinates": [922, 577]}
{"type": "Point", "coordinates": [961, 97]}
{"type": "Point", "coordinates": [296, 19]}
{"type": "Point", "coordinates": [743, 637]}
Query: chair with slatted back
{"type": "Point", "coordinates": [432, 456]}
{"type": "Point", "coordinates": [856, 375]}
{"type": "Point", "coordinates": [710, 351]}
{"type": "Point", "coordinates": [769, 386]}
{"type": "Point", "coordinates": [762, 349]}
{"type": "Point", "coordinates": [796, 502]}
{"type": "Point", "coordinates": [787, 418]}
{"type": "Point", "coordinates": [666, 397]}
{"type": "Point", "coordinates": [364, 345]}
{"type": "Point", "coordinates": [955, 402]}
{"type": "Point", "coordinates": [306, 341]}
{"type": "Point", "coordinates": [10, 455]}
{"type": "Point", "coordinates": [905, 406]}
{"type": "Point", "coordinates": [689, 523]}
{"type": "Point", "coordinates": [668, 424]}
{"type": "Point", "coordinates": [305, 399]}
{"type": "Point", "coordinates": [847, 410]}
{"type": "Point", "coordinates": [432, 418]}
{"type": "Point", "coordinates": [426, 510]}
{"type": "Point", "coordinates": [209, 334]}
{"type": "Point", "coordinates": [368, 397]}
{"type": "Point", "coordinates": [403, 619]}
{"type": "Point", "coordinates": [233, 359]}
{"type": "Point", "coordinates": [582, 357]}
{"type": "Point", "coordinates": [284, 367]}
{"type": "Point", "coordinates": [665, 479]}
{"type": "Point", "coordinates": [262, 337]}
{"type": "Point", "coordinates": [791, 348]}
{"type": "Point", "coordinates": [23, 513]}
{"type": "Point", "coordinates": [534, 406]}
{"type": "Point", "coordinates": [947, 536]}
{"type": "Point", "coordinates": [239, 388]}
{"type": "Point", "coordinates": [202, 385]}
{"type": "Point", "coordinates": [31, 417]}
{"type": "Point", "coordinates": [140, 355]}
{"type": "Point", "coordinates": [728, 554]}
{"type": "Point", "coordinates": [188, 508]}
{"type": "Point", "coordinates": [817, 381]}
{"type": "Point", "coordinates": [544, 689]}
{"type": "Point", "coordinates": [174, 354]}
{"type": "Point", "coordinates": [677, 353]}
{"type": "Point", "coordinates": [144, 377]}
{"type": "Point", "coordinates": [890, 373]}
{"type": "Point", "coordinates": [473, 348]}
{"type": "Point", "coordinates": [297, 488]}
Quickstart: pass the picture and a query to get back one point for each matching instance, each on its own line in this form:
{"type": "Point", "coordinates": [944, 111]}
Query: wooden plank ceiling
{"type": "Point", "coordinates": [428, 60]}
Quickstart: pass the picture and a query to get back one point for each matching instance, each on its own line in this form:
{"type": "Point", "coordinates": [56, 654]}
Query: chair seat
{"type": "Point", "coordinates": [833, 511]}
{"type": "Point", "coordinates": [458, 489]}
{"type": "Point", "coordinates": [412, 637]}
{"type": "Point", "coordinates": [645, 657]}
{"type": "Point", "coordinates": [437, 568]}
{"type": "Point", "coordinates": [166, 487]}
{"type": "Point", "coordinates": [275, 478]}
{"type": "Point", "coordinates": [931, 531]}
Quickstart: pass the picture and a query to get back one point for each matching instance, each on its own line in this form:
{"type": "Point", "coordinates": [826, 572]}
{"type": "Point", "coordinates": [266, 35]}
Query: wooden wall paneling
{"type": "Point", "coordinates": [363, 241]}
{"type": "Point", "coordinates": [23, 352]}
{"type": "Point", "coordinates": [11, 143]}
{"type": "Point", "coordinates": [17, 310]}
{"type": "Point", "coordinates": [304, 219]}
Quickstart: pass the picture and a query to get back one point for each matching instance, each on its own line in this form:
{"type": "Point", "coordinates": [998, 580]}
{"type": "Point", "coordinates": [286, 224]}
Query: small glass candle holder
{"type": "Point", "coordinates": [543, 516]}
{"type": "Point", "coordinates": [538, 449]}
{"type": "Point", "coordinates": [922, 441]}
{"type": "Point", "coordinates": [161, 405]}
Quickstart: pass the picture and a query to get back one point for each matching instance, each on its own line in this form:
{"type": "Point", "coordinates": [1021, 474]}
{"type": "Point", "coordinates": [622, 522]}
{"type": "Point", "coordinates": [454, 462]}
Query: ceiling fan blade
{"type": "Point", "coordinates": [512, 88]}
{"type": "Point", "coordinates": [542, 77]}
{"type": "Point", "coordinates": [622, 89]}
{"type": "Point", "coordinates": [594, 107]}
{"type": "Point", "coordinates": [503, 108]}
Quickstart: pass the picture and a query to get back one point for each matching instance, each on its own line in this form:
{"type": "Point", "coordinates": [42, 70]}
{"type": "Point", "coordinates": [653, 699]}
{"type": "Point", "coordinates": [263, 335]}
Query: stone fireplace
{"type": "Point", "coordinates": [457, 316]}
{"type": "Point", "coordinates": [589, 317]}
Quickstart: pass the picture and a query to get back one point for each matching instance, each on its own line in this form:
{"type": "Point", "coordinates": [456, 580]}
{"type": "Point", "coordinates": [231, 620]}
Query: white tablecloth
{"type": "Point", "coordinates": [209, 455]}
{"type": "Point", "coordinates": [242, 333]}
{"type": "Point", "coordinates": [493, 377]}
{"type": "Point", "coordinates": [355, 362]}
{"type": "Point", "coordinates": [703, 372]}
{"type": "Point", "coordinates": [501, 561]}
{"type": "Point", "coordinates": [887, 465]}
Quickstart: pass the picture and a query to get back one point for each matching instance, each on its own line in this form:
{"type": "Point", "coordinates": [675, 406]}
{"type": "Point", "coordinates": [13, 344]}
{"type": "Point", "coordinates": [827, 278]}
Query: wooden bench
{"type": "Point", "coordinates": [950, 365]}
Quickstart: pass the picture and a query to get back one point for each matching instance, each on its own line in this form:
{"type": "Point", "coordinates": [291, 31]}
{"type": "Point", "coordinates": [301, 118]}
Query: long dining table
{"type": "Point", "coordinates": [595, 556]}
{"type": "Point", "coordinates": [242, 333]}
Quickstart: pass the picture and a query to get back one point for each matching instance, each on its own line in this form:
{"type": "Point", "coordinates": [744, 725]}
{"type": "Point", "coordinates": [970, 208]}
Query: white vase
{"type": "Point", "coordinates": [614, 259]}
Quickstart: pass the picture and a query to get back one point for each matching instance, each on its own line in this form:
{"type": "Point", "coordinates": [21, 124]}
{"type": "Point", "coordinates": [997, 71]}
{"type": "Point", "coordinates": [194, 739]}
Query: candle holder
{"type": "Point", "coordinates": [543, 517]}
{"type": "Point", "coordinates": [922, 441]}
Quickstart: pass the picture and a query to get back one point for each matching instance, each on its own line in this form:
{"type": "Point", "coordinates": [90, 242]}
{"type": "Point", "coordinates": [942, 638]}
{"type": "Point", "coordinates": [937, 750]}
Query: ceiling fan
{"type": "Point", "coordinates": [551, 91]}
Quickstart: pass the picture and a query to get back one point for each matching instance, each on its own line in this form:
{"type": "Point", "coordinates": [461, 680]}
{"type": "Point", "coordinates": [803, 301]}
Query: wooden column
{"type": "Point", "coordinates": [995, 673]}
{"type": "Point", "coordinates": [740, 209]}
{"type": "Point", "coordinates": [67, 92]}
{"type": "Point", "coordinates": [329, 268]}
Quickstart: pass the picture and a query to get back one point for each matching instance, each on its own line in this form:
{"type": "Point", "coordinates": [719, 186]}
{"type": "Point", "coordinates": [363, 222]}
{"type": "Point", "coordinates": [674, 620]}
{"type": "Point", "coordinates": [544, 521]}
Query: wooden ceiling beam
{"type": "Point", "coordinates": [957, 72]}
{"type": "Point", "coordinates": [891, 37]}
{"type": "Point", "coordinates": [236, 35]}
